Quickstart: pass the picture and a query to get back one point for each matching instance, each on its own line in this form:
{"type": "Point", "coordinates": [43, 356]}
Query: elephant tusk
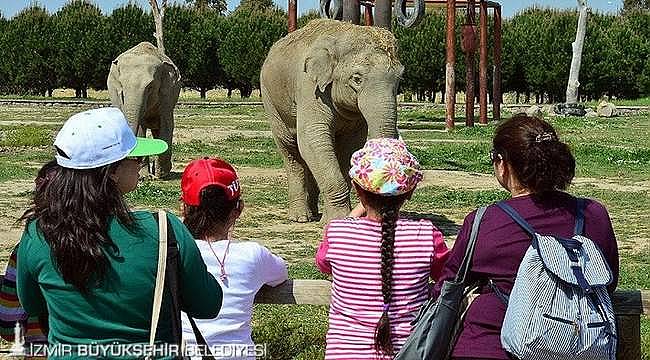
{"type": "Point", "coordinates": [331, 9]}
{"type": "Point", "coordinates": [416, 16]}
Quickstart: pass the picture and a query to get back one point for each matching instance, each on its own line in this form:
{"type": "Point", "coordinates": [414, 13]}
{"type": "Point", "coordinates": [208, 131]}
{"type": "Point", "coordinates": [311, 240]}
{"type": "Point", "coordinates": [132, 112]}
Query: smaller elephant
{"type": "Point", "coordinates": [325, 89]}
{"type": "Point", "coordinates": [145, 85]}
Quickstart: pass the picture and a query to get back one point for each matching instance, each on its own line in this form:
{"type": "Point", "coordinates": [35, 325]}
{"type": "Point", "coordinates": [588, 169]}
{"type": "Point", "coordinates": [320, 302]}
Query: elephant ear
{"type": "Point", "coordinates": [320, 64]}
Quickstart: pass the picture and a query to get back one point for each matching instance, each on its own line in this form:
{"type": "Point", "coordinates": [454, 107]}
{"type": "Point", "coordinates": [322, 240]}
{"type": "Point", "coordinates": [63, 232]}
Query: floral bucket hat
{"type": "Point", "coordinates": [384, 166]}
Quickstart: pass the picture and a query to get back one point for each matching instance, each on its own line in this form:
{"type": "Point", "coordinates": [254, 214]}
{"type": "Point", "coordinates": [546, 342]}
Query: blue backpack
{"type": "Point", "coordinates": [559, 307]}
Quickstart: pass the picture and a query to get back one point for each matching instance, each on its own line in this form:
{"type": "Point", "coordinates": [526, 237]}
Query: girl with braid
{"type": "Point", "coordinates": [380, 263]}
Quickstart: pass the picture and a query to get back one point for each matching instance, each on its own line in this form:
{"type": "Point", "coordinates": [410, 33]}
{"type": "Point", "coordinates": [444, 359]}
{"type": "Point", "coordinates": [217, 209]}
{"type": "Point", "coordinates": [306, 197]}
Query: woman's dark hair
{"type": "Point", "coordinates": [540, 161]}
{"type": "Point", "coordinates": [73, 209]}
{"type": "Point", "coordinates": [389, 209]}
{"type": "Point", "coordinates": [211, 213]}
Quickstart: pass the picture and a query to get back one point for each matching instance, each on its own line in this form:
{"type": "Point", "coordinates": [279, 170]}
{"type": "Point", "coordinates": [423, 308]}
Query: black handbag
{"type": "Point", "coordinates": [438, 324]}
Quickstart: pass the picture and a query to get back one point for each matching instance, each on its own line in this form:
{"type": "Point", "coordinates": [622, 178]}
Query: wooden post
{"type": "Point", "coordinates": [383, 13]}
{"type": "Point", "coordinates": [497, 98]}
{"type": "Point", "coordinates": [470, 49]}
{"type": "Point", "coordinates": [450, 76]}
{"type": "Point", "coordinates": [368, 15]}
{"type": "Point", "coordinates": [351, 11]}
{"type": "Point", "coordinates": [158, 15]}
{"type": "Point", "coordinates": [293, 15]}
{"type": "Point", "coordinates": [483, 64]}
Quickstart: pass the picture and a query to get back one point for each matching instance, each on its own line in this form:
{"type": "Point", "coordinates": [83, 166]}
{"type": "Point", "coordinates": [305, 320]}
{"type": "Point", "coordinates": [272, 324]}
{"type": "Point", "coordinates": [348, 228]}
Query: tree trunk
{"type": "Point", "coordinates": [49, 92]}
{"type": "Point", "coordinates": [574, 74]}
{"type": "Point", "coordinates": [203, 92]}
{"type": "Point", "coordinates": [77, 93]}
{"type": "Point", "coordinates": [158, 15]}
{"type": "Point", "coordinates": [517, 97]}
{"type": "Point", "coordinates": [84, 93]}
{"type": "Point", "coordinates": [229, 93]}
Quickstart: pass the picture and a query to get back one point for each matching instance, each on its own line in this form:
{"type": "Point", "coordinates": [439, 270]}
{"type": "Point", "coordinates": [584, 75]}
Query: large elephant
{"type": "Point", "coordinates": [145, 85]}
{"type": "Point", "coordinates": [326, 88]}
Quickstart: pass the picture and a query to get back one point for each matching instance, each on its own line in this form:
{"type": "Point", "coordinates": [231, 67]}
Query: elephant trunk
{"type": "Point", "coordinates": [380, 114]}
{"type": "Point", "coordinates": [133, 113]}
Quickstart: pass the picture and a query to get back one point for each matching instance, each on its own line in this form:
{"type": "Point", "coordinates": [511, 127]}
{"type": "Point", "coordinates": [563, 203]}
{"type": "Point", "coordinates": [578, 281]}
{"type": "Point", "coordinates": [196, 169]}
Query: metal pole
{"type": "Point", "coordinates": [496, 77]}
{"type": "Point", "coordinates": [383, 13]}
{"type": "Point", "coordinates": [450, 76]}
{"type": "Point", "coordinates": [483, 64]}
{"type": "Point", "coordinates": [368, 15]}
{"type": "Point", "coordinates": [469, 65]}
{"type": "Point", "coordinates": [351, 11]}
{"type": "Point", "coordinates": [293, 15]}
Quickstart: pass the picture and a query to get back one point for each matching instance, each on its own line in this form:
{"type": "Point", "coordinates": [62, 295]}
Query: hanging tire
{"type": "Point", "coordinates": [408, 21]}
{"type": "Point", "coordinates": [331, 9]}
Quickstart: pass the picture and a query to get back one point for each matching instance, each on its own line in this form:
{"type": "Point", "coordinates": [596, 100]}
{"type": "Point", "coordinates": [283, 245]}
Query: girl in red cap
{"type": "Point", "coordinates": [380, 263]}
{"type": "Point", "coordinates": [211, 206]}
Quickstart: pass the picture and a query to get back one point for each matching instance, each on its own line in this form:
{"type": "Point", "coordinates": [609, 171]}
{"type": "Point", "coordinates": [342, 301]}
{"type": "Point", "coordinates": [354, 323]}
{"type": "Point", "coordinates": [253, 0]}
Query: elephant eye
{"type": "Point", "coordinates": [357, 78]}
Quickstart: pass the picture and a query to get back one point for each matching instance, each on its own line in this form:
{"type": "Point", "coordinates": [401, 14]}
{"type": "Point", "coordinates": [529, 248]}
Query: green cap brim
{"type": "Point", "coordinates": [147, 147]}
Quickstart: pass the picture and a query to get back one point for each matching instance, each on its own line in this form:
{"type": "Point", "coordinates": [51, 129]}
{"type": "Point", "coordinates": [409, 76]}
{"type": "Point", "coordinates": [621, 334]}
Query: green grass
{"type": "Point", "coordinates": [26, 136]}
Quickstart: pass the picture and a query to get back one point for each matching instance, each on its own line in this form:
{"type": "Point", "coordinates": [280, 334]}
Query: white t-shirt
{"type": "Point", "coordinates": [248, 266]}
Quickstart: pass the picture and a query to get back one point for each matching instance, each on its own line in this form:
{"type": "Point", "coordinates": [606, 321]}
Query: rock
{"type": "Point", "coordinates": [591, 113]}
{"type": "Point", "coordinates": [606, 109]}
{"type": "Point", "coordinates": [569, 109]}
{"type": "Point", "coordinates": [534, 111]}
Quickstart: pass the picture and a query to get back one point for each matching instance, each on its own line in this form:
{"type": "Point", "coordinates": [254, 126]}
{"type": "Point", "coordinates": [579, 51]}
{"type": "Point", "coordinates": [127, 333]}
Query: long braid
{"type": "Point", "coordinates": [389, 213]}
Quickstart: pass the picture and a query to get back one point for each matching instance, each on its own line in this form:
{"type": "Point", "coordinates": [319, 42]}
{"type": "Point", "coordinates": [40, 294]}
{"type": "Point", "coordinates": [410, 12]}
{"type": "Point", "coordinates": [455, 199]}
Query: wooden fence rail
{"type": "Point", "coordinates": [628, 307]}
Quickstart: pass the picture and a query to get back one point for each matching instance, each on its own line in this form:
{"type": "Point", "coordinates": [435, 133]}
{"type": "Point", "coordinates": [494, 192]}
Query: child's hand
{"type": "Point", "coordinates": [358, 211]}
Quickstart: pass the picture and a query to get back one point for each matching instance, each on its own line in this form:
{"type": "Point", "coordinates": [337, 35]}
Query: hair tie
{"type": "Point", "coordinates": [547, 136]}
{"type": "Point", "coordinates": [386, 307]}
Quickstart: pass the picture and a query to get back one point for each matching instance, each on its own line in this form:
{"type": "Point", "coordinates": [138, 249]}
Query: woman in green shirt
{"type": "Point", "coordinates": [88, 261]}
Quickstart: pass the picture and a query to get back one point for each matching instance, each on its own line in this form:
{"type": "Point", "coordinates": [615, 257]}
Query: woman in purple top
{"type": "Point", "coordinates": [534, 166]}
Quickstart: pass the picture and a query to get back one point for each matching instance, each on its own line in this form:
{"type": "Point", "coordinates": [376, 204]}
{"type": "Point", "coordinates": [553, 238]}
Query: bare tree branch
{"type": "Point", "coordinates": [578, 44]}
{"type": "Point", "coordinates": [158, 14]}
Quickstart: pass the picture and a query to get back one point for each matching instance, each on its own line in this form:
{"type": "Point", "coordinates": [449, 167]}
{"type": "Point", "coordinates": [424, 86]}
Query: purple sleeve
{"type": "Point", "coordinates": [598, 227]}
{"type": "Point", "coordinates": [456, 254]}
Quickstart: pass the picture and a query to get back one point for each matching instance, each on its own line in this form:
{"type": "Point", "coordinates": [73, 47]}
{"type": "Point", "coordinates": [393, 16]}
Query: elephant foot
{"type": "Point", "coordinates": [303, 216]}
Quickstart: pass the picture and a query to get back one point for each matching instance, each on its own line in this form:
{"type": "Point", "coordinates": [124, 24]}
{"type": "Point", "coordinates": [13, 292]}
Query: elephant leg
{"type": "Point", "coordinates": [303, 191]}
{"type": "Point", "coordinates": [145, 170]}
{"type": "Point", "coordinates": [314, 122]}
{"type": "Point", "coordinates": [163, 166]}
{"type": "Point", "coordinates": [346, 144]}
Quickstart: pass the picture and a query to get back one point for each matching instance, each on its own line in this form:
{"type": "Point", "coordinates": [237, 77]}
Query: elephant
{"type": "Point", "coordinates": [145, 85]}
{"type": "Point", "coordinates": [325, 89]}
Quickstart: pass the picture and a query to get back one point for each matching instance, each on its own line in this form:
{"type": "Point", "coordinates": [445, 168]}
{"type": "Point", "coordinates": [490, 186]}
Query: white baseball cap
{"type": "Point", "coordinates": [99, 137]}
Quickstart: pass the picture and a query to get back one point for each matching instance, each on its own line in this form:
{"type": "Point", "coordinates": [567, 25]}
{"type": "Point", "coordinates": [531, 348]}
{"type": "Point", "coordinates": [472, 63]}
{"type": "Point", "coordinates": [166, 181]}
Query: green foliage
{"type": "Point", "coordinates": [4, 60]}
{"type": "Point", "coordinates": [220, 6]}
{"type": "Point", "coordinates": [128, 26]}
{"type": "Point", "coordinates": [250, 34]}
{"type": "Point", "coordinates": [203, 68]}
{"type": "Point", "coordinates": [631, 5]}
{"type": "Point", "coordinates": [255, 5]}
{"type": "Point", "coordinates": [177, 27]}
{"type": "Point", "coordinates": [305, 18]}
{"type": "Point", "coordinates": [422, 52]}
{"type": "Point", "coordinates": [82, 58]}
{"type": "Point", "coordinates": [29, 38]}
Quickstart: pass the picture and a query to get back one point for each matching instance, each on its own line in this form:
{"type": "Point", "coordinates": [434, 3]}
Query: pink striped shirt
{"type": "Point", "coordinates": [350, 251]}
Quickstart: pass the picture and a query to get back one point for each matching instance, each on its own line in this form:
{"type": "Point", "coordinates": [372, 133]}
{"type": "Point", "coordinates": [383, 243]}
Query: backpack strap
{"type": "Point", "coordinates": [517, 218]}
{"type": "Point", "coordinates": [461, 275]}
{"type": "Point", "coordinates": [580, 216]}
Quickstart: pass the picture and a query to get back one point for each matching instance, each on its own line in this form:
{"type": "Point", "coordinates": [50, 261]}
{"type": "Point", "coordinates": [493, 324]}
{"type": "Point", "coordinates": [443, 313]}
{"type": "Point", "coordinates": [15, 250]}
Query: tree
{"type": "Point", "coordinates": [422, 52]}
{"type": "Point", "coordinates": [305, 18]}
{"type": "Point", "coordinates": [29, 37]}
{"type": "Point", "coordinates": [81, 42]}
{"type": "Point", "coordinates": [204, 71]}
{"type": "Point", "coordinates": [255, 5]}
{"type": "Point", "coordinates": [4, 75]}
{"type": "Point", "coordinates": [128, 26]}
{"type": "Point", "coordinates": [629, 5]}
{"type": "Point", "coordinates": [220, 6]}
{"type": "Point", "coordinates": [244, 47]}
{"type": "Point", "coordinates": [177, 28]}
{"type": "Point", "coordinates": [576, 61]}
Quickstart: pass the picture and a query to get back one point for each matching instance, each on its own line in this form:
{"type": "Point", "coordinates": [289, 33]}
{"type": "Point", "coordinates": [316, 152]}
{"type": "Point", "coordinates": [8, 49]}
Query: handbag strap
{"type": "Point", "coordinates": [172, 283]}
{"type": "Point", "coordinates": [160, 276]}
{"type": "Point", "coordinates": [465, 266]}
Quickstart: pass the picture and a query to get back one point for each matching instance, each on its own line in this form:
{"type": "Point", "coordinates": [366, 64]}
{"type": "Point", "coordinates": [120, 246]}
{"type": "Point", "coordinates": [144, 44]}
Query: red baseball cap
{"type": "Point", "coordinates": [208, 171]}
